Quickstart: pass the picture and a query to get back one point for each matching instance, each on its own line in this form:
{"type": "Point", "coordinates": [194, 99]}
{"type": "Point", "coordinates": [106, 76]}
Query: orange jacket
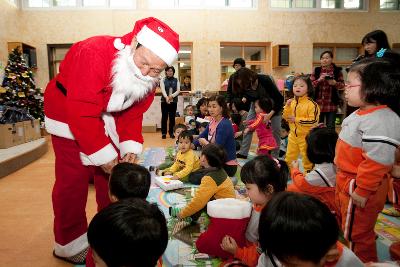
{"type": "Point", "coordinates": [366, 147]}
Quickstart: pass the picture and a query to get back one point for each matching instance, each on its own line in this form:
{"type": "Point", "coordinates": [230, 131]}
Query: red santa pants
{"type": "Point", "coordinates": [69, 196]}
{"type": "Point", "coordinates": [358, 223]}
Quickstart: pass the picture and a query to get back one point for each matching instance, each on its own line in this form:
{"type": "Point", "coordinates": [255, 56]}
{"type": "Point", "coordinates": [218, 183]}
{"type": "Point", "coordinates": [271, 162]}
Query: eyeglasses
{"type": "Point", "coordinates": [348, 85]}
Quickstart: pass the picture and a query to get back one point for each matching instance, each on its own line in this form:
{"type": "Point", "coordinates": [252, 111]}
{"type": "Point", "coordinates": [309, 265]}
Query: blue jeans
{"type": "Point", "coordinates": [330, 119]}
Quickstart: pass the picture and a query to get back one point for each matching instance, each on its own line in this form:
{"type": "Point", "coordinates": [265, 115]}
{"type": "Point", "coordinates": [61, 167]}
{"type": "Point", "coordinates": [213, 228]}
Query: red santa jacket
{"type": "Point", "coordinates": [82, 112]}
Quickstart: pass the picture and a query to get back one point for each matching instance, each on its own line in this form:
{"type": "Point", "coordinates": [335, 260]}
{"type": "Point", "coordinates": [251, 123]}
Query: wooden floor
{"type": "Point", "coordinates": [26, 215]}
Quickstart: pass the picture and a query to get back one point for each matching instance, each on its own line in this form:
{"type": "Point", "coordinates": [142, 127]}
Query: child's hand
{"type": "Point", "coordinates": [395, 171]}
{"type": "Point", "coordinates": [267, 117]}
{"type": "Point", "coordinates": [238, 134]}
{"type": "Point", "coordinates": [174, 177]}
{"type": "Point", "coordinates": [295, 164]}
{"type": "Point", "coordinates": [289, 102]}
{"type": "Point", "coordinates": [229, 245]}
{"type": "Point", "coordinates": [358, 200]}
{"type": "Point", "coordinates": [291, 119]}
{"type": "Point", "coordinates": [167, 173]}
{"type": "Point", "coordinates": [396, 167]}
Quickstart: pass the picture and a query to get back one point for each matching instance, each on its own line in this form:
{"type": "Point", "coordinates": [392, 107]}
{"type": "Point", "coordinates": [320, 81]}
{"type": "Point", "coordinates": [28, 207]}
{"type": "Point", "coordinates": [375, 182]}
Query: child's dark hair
{"type": "Point", "coordinates": [377, 36]}
{"type": "Point", "coordinates": [129, 180]}
{"type": "Point", "coordinates": [321, 144]}
{"type": "Point", "coordinates": [307, 80]}
{"type": "Point", "coordinates": [201, 102]}
{"type": "Point", "coordinates": [222, 103]}
{"type": "Point", "coordinates": [186, 135]}
{"type": "Point", "coordinates": [285, 125]}
{"type": "Point", "coordinates": [326, 52]}
{"type": "Point", "coordinates": [236, 118]}
{"type": "Point", "coordinates": [298, 226]}
{"type": "Point", "coordinates": [130, 232]}
{"type": "Point", "coordinates": [380, 81]}
{"type": "Point", "coordinates": [264, 171]}
{"type": "Point", "coordinates": [180, 126]}
{"type": "Point", "coordinates": [170, 68]}
{"type": "Point", "coordinates": [266, 104]}
{"type": "Point", "coordinates": [215, 155]}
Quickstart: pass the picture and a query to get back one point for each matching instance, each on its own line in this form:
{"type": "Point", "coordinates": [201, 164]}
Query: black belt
{"type": "Point", "coordinates": [61, 88]}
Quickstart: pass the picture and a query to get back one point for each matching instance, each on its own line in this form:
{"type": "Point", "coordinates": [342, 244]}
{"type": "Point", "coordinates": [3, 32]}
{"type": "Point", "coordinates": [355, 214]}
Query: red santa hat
{"type": "Point", "coordinates": [155, 35]}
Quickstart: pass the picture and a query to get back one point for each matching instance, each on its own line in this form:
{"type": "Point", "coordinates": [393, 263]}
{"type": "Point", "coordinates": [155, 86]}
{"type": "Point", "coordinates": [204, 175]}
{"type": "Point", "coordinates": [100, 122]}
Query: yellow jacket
{"type": "Point", "coordinates": [306, 112]}
{"type": "Point", "coordinates": [184, 164]}
{"type": "Point", "coordinates": [215, 184]}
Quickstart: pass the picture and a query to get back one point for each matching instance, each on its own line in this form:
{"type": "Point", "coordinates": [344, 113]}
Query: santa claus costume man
{"type": "Point", "coordinates": [94, 109]}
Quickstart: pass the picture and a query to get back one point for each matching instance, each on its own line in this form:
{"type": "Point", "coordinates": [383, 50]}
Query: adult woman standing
{"type": "Point", "coordinates": [326, 80]}
{"type": "Point", "coordinates": [170, 90]}
{"type": "Point", "coordinates": [375, 43]}
{"type": "Point", "coordinates": [250, 86]}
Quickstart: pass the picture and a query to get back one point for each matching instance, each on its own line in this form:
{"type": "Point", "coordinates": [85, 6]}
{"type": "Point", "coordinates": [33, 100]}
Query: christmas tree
{"type": "Point", "coordinates": [18, 88]}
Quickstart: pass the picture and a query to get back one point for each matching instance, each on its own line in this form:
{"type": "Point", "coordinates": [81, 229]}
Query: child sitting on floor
{"type": "Point", "coordinates": [215, 183]}
{"type": "Point", "coordinates": [186, 160]}
{"type": "Point", "coordinates": [263, 177]}
{"type": "Point", "coordinates": [129, 232]}
{"type": "Point", "coordinates": [321, 181]}
{"type": "Point", "coordinates": [299, 230]}
{"type": "Point", "coordinates": [170, 157]}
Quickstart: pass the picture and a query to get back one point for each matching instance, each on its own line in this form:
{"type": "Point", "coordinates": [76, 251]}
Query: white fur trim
{"type": "Point", "coordinates": [157, 45]}
{"type": "Point", "coordinates": [118, 44]}
{"type": "Point", "coordinates": [130, 146]}
{"type": "Point", "coordinates": [72, 248]}
{"type": "Point", "coordinates": [110, 128]}
{"type": "Point", "coordinates": [229, 208]}
{"type": "Point", "coordinates": [58, 128]}
{"type": "Point", "coordinates": [129, 85]}
{"type": "Point", "coordinates": [100, 157]}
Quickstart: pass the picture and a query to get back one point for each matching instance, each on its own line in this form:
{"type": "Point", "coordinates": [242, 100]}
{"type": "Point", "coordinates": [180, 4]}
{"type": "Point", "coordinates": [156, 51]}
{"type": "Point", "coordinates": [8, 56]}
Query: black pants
{"type": "Point", "coordinates": [330, 119]}
{"type": "Point", "coordinates": [168, 110]}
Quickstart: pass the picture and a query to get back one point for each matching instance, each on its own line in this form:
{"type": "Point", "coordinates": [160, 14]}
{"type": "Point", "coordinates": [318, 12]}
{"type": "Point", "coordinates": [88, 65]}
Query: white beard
{"type": "Point", "coordinates": [128, 83]}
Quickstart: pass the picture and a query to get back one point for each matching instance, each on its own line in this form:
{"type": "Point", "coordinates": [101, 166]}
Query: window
{"type": "Point", "coordinates": [320, 4]}
{"type": "Point", "coordinates": [255, 55]}
{"type": "Point", "coordinates": [14, 2]}
{"type": "Point", "coordinates": [389, 4]}
{"type": "Point", "coordinates": [183, 66]}
{"type": "Point", "coordinates": [115, 4]}
{"type": "Point", "coordinates": [56, 53]}
{"type": "Point", "coordinates": [201, 4]}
